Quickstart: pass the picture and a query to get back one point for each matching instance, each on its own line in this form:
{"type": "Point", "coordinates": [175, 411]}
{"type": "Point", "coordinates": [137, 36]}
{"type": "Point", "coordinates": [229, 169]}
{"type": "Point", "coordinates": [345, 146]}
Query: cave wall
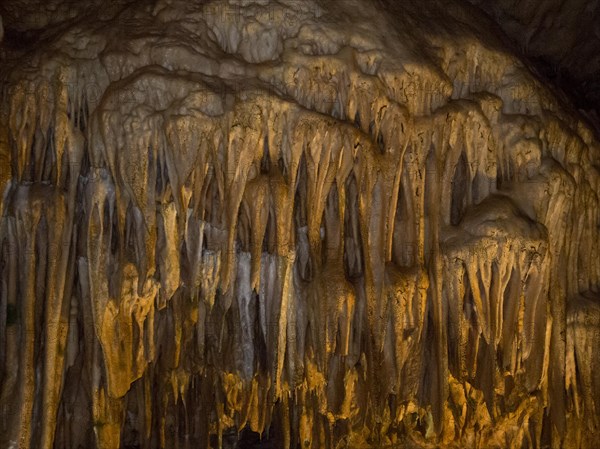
{"type": "Point", "coordinates": [561, 40]}
{"type": "Point", "coordinates": [350, 224]}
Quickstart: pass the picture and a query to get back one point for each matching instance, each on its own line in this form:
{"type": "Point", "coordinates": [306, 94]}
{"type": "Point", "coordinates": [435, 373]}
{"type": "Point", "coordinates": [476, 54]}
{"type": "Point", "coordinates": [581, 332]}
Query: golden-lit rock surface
{"type": "Point", "coordinates": [337, 224]}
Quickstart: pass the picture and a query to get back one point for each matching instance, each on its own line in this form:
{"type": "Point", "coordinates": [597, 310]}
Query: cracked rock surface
{"type": "Point", "coordinates": [334, 224]}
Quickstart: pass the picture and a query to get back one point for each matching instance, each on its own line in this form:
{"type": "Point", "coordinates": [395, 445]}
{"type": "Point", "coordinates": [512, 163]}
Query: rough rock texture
{"type": "Point", "coordinates": [345, 224]}
{"type": "Point", "coordinates": [562, 38]}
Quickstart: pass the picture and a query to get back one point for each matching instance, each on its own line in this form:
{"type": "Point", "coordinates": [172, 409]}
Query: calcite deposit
{"type": "Point", "coordinates": [323, 224]}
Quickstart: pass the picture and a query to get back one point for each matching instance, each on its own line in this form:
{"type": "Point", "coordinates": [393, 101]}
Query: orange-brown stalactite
{"type": "Point", "coordinates": [333, 224]}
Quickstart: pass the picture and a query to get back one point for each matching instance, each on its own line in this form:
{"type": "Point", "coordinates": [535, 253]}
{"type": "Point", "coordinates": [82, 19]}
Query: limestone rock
{"type": "Point", "coordinates": [333, 224]}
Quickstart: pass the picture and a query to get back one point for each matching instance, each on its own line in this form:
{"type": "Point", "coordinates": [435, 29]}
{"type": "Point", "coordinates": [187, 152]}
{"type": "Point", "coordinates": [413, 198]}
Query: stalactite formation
{"type": "Point", "coordinates": [333, 224]}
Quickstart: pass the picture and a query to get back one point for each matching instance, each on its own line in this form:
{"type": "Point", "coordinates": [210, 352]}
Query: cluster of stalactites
{"type": "Point", "coordinates": [374, 265]}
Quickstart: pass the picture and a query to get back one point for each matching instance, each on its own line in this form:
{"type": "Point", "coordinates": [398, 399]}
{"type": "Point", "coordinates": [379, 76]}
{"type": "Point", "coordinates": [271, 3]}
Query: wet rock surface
{"type": "Point", "coordinates": [326, 224]}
